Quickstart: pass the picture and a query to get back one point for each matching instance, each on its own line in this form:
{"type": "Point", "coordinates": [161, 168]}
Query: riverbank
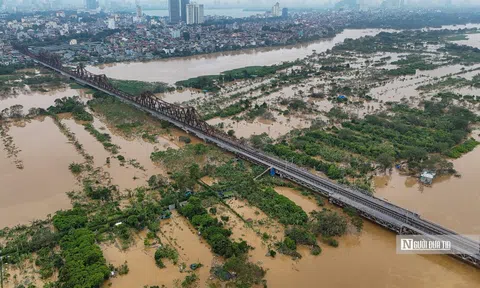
{"type": "Point", "coordinates": [176, 69]}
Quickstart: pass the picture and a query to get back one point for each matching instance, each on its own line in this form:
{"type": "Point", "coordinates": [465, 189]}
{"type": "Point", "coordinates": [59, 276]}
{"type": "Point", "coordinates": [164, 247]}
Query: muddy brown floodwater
{"type": "Point", "coordinates": [176, 232]}
{"type": "Point", "coordinates": [125, 175]}
{"type": "Point", "coordinates": [367, 259]}
{"type": "Point", "coordinates": [39, 188]}
{"type": "Point", "coordinates": [29, 99]}
{"type": "Point", "coordinates": [176, 69]}
{"type": "Point", "coordinates": [273, 128]}
{"type": "Point", "coordinates": [450, 201]}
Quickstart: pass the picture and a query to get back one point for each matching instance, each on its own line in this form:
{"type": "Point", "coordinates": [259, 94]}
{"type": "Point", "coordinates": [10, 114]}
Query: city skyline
{"type": "Point", "coordinates": [28, 5]}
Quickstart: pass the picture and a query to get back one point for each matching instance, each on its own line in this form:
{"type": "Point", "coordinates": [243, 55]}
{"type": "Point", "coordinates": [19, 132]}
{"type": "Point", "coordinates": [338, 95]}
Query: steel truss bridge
{"type": "Point", "coordinates": [390, 216]}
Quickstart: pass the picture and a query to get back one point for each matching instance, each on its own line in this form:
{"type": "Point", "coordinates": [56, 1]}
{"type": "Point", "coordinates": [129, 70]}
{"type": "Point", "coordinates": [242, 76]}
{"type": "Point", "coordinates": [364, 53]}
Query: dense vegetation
{"type": "Point", "coordinates": [103, 138]}
{"type": "Point", "coordinates": [84, 264]}
{"type": "Point", "coordinates": [405, 133]}
{"type": "Point", "coordinates": [231, 110]}
{"type": "Point", "coordinates": [11, 69]}
{"type": "Point", "coordinates": [464, 54]}
{"type": "Point", "coordinates": [211, 229]}
{"type": "Point", "coordinates": [237, 178]}
{"type": "Point", "coordinates": [212, 83]}
{"type": "Point", "coordinates": [396, 41]}
{"type": "Point", "coordinates": [138, 87]}
{"type": "Point", "coordinates": [165, 252]}
{"type": "Point", "coordinates": [71, 105]}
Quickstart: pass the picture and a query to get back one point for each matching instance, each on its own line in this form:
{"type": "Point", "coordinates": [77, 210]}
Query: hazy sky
{"type": "Point", "coordinates": [293, 3]}
{"type": "Point", "coordinates": [247, 3]}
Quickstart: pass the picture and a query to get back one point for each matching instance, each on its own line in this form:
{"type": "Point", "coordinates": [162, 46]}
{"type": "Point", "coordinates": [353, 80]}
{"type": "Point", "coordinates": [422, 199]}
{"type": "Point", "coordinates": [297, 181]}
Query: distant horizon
{"type": "Point", "coordinates": [257, 5]}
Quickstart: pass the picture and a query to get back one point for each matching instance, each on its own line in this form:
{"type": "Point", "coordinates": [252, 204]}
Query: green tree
{"type": "Point", "coordinates": [84, 265]}
{"type": "Point", "coordinates": [328, 223]}
{"type": "Point", "coordinates": [385, 160]}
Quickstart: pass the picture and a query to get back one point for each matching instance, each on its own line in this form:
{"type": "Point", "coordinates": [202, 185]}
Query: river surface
{"type": "Point", "coordinates": [176, 69]}
{"type": "Point", "coordinates": [368, 259]}
{"type": "Point", "coordinates": [450, 201]}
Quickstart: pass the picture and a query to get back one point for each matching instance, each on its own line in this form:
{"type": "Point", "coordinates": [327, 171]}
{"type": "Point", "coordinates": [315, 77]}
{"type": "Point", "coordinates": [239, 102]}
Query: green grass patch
{"type": "Point", "coordinates": [465, 147]}
{"type": "Point", "coordinates": [103, 138]}
{"type": "Point", "coordinates": [458, 37]}
{"type": "Point", "coordinates": [138, 87]}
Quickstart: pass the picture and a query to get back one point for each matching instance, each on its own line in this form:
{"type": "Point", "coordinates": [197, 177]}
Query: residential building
{"type": "Point", "coordinates": [285, 12]}
{"type": "Point", "coordinates": [276, 10]}
{"type": "Point", "coordinates": [427, 177]}
{"type": "Point", "coordinates": [174, 11]}
{"type": "Point", "coordinates": [175, 33]}
{"type": "Point", "coordinates": [184, 4]}
{"type": "Point", "coordinates": [195, 13]}
{"type": "Point", "coordinates": [111, 23]}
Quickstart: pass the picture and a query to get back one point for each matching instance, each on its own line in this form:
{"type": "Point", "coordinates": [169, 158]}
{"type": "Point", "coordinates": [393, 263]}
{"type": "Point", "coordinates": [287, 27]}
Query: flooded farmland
{"type": "Point", "coordinates": [176, 232]}
{"type": "Point", "coordinates": [36, 99]}
{"type": "Point", "coordinates": [39, 188]}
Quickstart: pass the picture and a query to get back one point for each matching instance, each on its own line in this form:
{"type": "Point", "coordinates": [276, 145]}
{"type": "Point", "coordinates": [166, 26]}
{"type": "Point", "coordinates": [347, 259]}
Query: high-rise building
{"type": "Point", "coordinates": [139, 11]}
{"type": "Point", "coordinates": [91, 4]}
{"type": "Point", "coordinates": [174, 11]}
{"type": "Point", "coordinates": [200, 15]}
{"type": "Point", "coordinates": [285, 12]}
{"type": "Point", "coordinates": [276, 10]}
{"type": "Point", "coordinates": [195, 13]}
{"type": "Point", "coordinates": [184, 4]}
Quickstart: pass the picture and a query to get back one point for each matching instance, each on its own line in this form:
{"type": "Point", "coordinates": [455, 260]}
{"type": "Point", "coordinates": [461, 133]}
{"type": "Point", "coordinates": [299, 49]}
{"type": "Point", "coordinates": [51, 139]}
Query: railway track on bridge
{"type": "Point", "coordinates": [390, 216]}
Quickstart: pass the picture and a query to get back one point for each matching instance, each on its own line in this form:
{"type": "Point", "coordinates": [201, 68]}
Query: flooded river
{"type": "Point", "coordinates": [175, 69]}
{"type": "Point", "coordinates": [368, 259]}
{"type": "Point", "coordinates": [450, 201]}
{"type": "Point", "coordinates": [172, 70]}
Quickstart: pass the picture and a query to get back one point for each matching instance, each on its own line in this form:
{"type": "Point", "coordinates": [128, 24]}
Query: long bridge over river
{"type": "Point", "coordinates": [390, 216]}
